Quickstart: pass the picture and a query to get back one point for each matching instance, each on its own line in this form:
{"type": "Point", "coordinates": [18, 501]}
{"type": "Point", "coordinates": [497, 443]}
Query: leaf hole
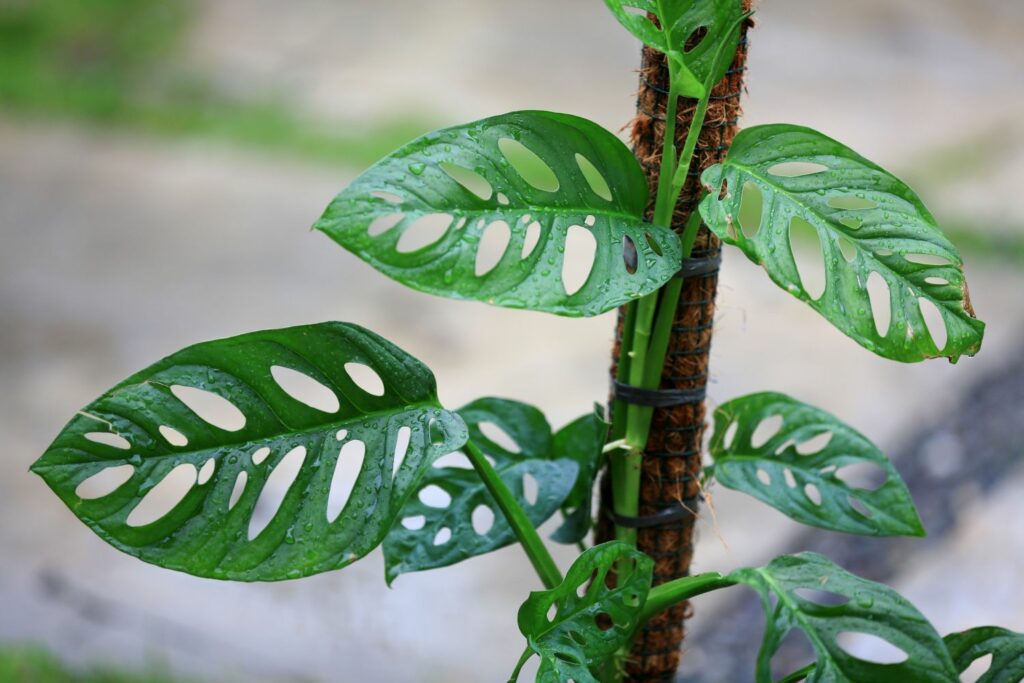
{"type": "Point", "coordinates": [402, 440]}
{"type": "Point", "coordinates": [414, 523]}
{"type": "Point", "coordinates": [723, 192]}
{"type": "Point", "coordinates": [938, 281]}
{"type": "Point", "coordinates": [457, 460]}
{"type": "Point", "coordinates": [275, 489]}
{"type": "Point", "coordinates": [210, 407]}
{"type": "Point", "coordinates": [812, 493]}
{"type": "Point", "coordinates": [173, 436]}
{"type": "Point", "coordinates": [389, 197]}
{"type": "Point", "coordinates": [346, 472]}
{"type": "Point", "coordinates": [810, 262]}
{"type": "Point", "coordinates": [530, 489]}
{"type": "Point", "coordinates": [764, 477]}
{"type": "Point", "coordinates": [881, 307]}
{"type": "Point", "coordinates": [695, 39]}
{"type": "Point", "coordinates": [423, 232]}
{"type": "Point", "coordinates": [934, 321]}
{"type": "Point", "coordinates": [238, 489]}
{"type": "Point", "coordinates": [848, 250]}
{"type": "Point", "coordinates": [603, 621]}
{"type": "Point", "coordinates": [821, 597]}
{"type": "Point", "coordinates": [580, 249]}
{"type": "Point", "coordinates": [492, 246]}
{"type": "Point", "coordinates": [864, 475]}
{"type": "Point", "coordinates": [928, 259]}
{"type": "Point", "coordinates": [341, 435]}
{"type": "Point", "coordinates": [977, 669]}
{"type": "Point", "coordinates": [502, 199]}
{"type": "Point", "coordinates": [260, 455]}
{"type": "Point", "coordinates": [859, 507]}
{"type": "Point", "coordinates": [104, 482]}
{"type": "Point", "coordinates": [852, 222]}
{"type": "Point", "coordinates": [766, 429]}
{"type": "Point", "coordinates": [206, 471]}
{"type": "Point", "coordinates": [165, 496]}
{"type": "Point", "coordinates": [870, 648]}
{"type": "Point", "coordinates": [787, 474]}
{"type": "Point", "coordinates": [552, 612]}
{"type": "Point", "coordinates": [434, 496]}
{"type": "Point", "coordinates": [594, 178]}
{"type": "Point", "coordinates": [851, 202]}
{"type": "Point", "coordinates": [531, 238]}
{"type": "Point", "coordinates": [654, 244]}
{"type": "Point", "coordinates": [815, 444]}
{"type": "Point", "coordinates": [305, 389]}
{"type": "Point", "coordinates": [730, 434]}
{"type": "Point", "coordinates": [629, 255]}
{"type": "Point", "coordinates": [498, 436]}
{"type": "Point", "coordinates": [584, 587]}
{"type": "Point", "coordinates": [528, 165]}
{"type": "Point", "coordinates": [482, 519]}
{"type": "Point", "coordinates": [444, 534]}
{"type": "Point", "coordinates": [365, 377]}
{"type": "Point", "coordinates": [381, 224]}
{"type": "Point", "coordinates": [796, 169]}
{"type": "Point", "coordinates": [470, 180]}
{"type": "Point", "coordinates": [109, 439]}
{"type": "Point", "coordinates": [751, 209]}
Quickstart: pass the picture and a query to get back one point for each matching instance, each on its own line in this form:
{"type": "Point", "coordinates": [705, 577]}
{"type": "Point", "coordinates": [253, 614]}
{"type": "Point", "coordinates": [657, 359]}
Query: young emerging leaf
{"type": "Point", "coordinates": [224, 417]}
{"type": "Point", "coordinates": [810, 593]}
{"type": "Point", "coordinates": [689, 32]}
{"type": "Point", "coordinates": [1006, 648]}
{"type": "Point", "coordinates": [798, 468]}
{"type": "Point", "coordinates": [578, 625]}
{"type": "Point", "coordinates": [454, 517]}
{"type": "Point", "coordinates": [424, 216]}
{"type": "Point", "coordinates": [582, 441]}
{"type": "Point", "coordinates": [867, 222]}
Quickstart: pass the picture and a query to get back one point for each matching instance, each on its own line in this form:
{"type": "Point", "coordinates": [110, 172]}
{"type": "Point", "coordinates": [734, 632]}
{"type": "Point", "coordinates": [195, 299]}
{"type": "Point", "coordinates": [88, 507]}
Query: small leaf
{"type": "Point", "coordinates": [518, 438]}
{"type": "Point", "coordinates": [690, 32]}
{"type": "Point", "coordinates": [867, 222]}
{"type": "Point", "coordinates": [810, 593]}
{"type": "Point", "coordinates": [528, 177]}
{"type": "Point", "coordinates": [810, 448]}
{"type": "Point", "coordinates": [1005, 647]}
{"type": "Point", "coordinates": [582, 440]}
{"type": "Point", "coordinates": [579, 624]}
{"type": "Point", "coordinates": [221, 417]}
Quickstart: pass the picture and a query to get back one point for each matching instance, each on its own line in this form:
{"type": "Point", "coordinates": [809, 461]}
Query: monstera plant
{"type": "Point", "coordinates": [350, 425]}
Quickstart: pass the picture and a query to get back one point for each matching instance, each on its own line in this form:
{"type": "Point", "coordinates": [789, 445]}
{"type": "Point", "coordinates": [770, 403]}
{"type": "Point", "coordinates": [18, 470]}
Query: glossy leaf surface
{"type": "Point", "coordinates": [810, 593]}
{"type": "Point", "coordinates": [866, 222]}
{"type": "Point", "coordinates": [576, 626]}
{"type": "Point", "coordinates": [1006, 648]}
{"type": "Point", "coordinates": [454, 517]}
{"type": "Point", "coordinates": [689, 32]}
{"type": "Point", "coordinates": [582, 441]}
{"type": "Point", "coordinates": [529, 177]}
{"type": "Point", "coordinates": [806, 467]}
{"type": "Point", "coordinates": [256, 395]}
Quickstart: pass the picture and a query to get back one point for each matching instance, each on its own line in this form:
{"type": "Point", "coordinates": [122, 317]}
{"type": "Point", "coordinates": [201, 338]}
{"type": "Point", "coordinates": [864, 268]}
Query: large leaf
{"type": "Point", "coordinates": [454, 517]}
{"type": "Point", "coordinates": [530, 177]}
{"type": "Point", "coordinates": [150, 424]}
{"type": "Point", "coordinates": [1006, 648]}
{"type": "Point", "coordinates": [799, 467]}
{"type": "Point", "coordinates": [810, 593]}
{"type": "Point", "coordinates": [866, 220]}
{"type": "Point", "coordinates": [689, 32]}
{"type": "Point", "coordinates": [581, 440]}
{"type": "Point", "coordinates": [579, 624]}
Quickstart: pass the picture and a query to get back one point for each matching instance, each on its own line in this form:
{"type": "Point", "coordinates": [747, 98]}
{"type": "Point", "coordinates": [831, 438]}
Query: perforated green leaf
{"type": "Point", "coordinates": [806, 468]}
{"type": "Point", "coordinates": [455, 517]}
{"type": "Point", "coordinates": [578, 625]}
{"type": "Point", "coordinates": [866, 221]}
{"type": "Point", "coordinates": [1006, 648]}
{"type": "Point", "coordinates": [224, 415]}
{"type": "Point", "coordinates": [689, 32]}
{"type": "Point", "coordinates": [810, 593]}
{"type": "Point", "coordinates": [531, 177]}
{"type": "Point", "coordinates": [581, 440]}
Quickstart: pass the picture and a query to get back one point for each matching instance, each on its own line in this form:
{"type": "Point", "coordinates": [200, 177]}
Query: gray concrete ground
{"type": "Point", "coordinates": [116, 250]}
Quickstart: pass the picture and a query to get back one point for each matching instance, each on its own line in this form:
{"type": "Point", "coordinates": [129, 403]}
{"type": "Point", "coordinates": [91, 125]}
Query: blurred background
{"type": "Point", "coordinates": [161, 161]}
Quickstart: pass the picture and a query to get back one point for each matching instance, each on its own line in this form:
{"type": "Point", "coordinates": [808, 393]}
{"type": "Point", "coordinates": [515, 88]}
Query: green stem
{"type": "Point", "coordinates": [525, 657]}
{"type": "Point", "coordinates": [667, 594]}
{"type": "Point", "coordinates": [799, 675]}
{"type": "Point", "coordinates": [535, 549]}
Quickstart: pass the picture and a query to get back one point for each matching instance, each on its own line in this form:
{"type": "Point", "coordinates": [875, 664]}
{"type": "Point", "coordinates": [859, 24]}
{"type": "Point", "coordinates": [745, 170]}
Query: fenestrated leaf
{"type": "Point", "coordinates": [581, 440]}
{"type": "Point", "coordinates": [810, 593]}
{"type": "Point", "coordinates": [690, 32]}
{"type": "Point", "coordinates": [534, 174]}
{"type": "Point", "coordinates": [452, 493]}
{"type": "Point", "coordinates": [1006, 648]}
{"type": "Point", "coordinates": [151, 423]}
{"type": "Point", "coordinates": [591, 620]}
{"type": "Point", "coordinates": [866, 220]}
{"type": "Point", "coordinates": [806, 457]}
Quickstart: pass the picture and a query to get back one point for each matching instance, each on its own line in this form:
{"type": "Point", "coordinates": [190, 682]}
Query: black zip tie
{"type": "Point", "coordinates": [656, 398]}
{"type": "Point", "coordinates": [676, 513]}
{"type": "Point", "coordinates": [695, 267]}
